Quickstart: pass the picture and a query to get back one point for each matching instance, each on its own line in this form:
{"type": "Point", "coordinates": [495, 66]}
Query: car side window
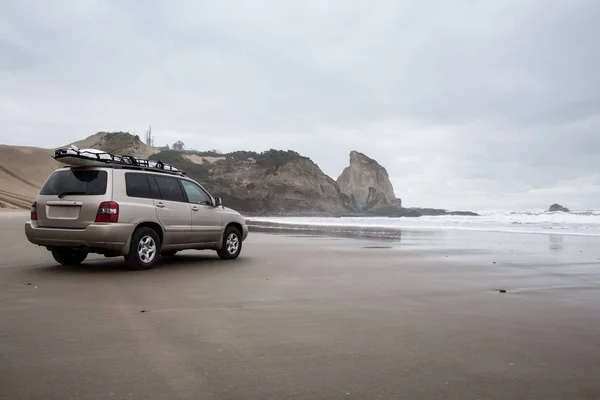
{"type": "Point", "coordinates": [136, 185]}
{"type": "Point", "coordinates": [169, 189]}
{"type": "Point", "coordinates": [154, 191]}
{"type": "Point", "coordinates": [195, 193]}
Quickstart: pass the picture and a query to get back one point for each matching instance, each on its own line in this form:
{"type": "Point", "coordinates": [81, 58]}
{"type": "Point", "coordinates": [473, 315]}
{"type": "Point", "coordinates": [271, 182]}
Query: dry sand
{"type": "Point", "coordinates": [307, 317]}
{"type": "Point", "coordinates": [202, 159]}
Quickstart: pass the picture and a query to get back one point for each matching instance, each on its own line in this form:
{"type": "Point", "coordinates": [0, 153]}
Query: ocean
{"type": "Point", "coordinates": [582, 222]}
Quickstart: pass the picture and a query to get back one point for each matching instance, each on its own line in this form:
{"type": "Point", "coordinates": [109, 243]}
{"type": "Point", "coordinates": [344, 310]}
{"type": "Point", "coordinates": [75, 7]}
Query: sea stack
{"type": "Point", "coordinates": [367, 183]}
{"type": "Point", "coordinates": [557, 207]}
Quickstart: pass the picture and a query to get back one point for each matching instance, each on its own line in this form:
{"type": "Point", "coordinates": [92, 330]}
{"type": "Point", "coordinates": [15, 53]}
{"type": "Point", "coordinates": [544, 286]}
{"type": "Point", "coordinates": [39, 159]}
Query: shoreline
{"type": "Point", "coordinates": [400, 212]}
{"type": "Point", "coordinates": [384, 230]}
{"type": "Point", "coordinates": [265, 224]}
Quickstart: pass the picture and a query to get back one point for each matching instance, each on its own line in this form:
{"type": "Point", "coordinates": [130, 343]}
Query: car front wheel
{"type": "Point", "coordinates": [232, 244]}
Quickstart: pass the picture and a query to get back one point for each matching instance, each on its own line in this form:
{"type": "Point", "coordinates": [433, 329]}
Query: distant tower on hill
{"type": "Point", "coordinates": [149, 137]}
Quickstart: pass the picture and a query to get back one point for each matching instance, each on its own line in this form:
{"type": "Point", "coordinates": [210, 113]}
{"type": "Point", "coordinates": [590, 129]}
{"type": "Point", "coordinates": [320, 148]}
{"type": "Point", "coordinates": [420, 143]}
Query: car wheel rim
{"type": "Point", "coordinates": [232, 244]}
{"type": "Point", "coordinates": [147, 249]}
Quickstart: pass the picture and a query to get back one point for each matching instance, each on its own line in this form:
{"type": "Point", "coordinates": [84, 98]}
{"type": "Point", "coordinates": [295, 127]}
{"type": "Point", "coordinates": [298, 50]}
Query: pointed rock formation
{"type": "Point", "coordinates": [367, 184]}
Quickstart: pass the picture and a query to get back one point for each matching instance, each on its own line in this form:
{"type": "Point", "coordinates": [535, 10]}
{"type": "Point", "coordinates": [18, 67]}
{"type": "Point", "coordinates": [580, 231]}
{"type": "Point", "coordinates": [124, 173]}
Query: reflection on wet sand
{"type": "Point", "coordinates": [394, 235]}
{"type": "Point", "coordinates": [556, 242]}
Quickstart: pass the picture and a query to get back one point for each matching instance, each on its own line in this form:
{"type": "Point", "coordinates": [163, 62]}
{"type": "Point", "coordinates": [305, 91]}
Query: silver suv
{"type": "Point", "coordinates": [130, 212]}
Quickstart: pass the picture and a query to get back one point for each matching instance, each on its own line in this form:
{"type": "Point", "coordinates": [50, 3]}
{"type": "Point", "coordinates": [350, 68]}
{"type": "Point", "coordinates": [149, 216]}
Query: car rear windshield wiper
{"type": "Point", "coordinates": [63, 194]}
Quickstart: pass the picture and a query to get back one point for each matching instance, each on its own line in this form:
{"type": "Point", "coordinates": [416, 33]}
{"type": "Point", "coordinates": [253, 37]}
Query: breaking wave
{"type": "Point", "coordinates": [583, 222]}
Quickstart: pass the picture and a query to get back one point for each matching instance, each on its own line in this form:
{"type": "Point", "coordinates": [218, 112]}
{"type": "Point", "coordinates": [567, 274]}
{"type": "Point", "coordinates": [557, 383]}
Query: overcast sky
{"type": "Point", "coordinates": [468, 104]}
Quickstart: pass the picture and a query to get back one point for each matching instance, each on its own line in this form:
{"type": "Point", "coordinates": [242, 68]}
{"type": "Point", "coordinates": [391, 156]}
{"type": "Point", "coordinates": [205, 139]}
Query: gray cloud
{"type": "Point", "coordinates": [467, 104]}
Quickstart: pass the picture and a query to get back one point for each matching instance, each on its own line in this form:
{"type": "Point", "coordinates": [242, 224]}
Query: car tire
{"type": "Point", "coordinates": [144, 250]}
{"type": "Point", "coordinates": [232, 244]}
{"type": "Point", "coordinates": [169, 253]}
{"type": "Point", "coordinates": [69, 256]}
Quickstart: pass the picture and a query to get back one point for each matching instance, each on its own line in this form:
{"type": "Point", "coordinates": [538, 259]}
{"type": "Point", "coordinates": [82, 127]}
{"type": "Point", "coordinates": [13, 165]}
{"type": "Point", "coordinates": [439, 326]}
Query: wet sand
{"type": "Point", "coordinates": [317, 316]}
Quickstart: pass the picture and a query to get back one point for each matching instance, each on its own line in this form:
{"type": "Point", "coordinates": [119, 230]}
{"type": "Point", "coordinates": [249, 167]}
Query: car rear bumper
{"type": "Point", "coordinates": [96, 237]}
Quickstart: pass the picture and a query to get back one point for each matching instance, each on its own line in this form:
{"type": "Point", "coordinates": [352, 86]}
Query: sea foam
{"type": "Point", "coordinates": [583, 222]}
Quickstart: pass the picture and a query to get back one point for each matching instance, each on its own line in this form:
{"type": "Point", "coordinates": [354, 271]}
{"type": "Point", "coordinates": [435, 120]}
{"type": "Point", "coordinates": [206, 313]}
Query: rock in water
{"type": "Point", "coordinates": [367, 184]}
{"type": "Point", "coordinates": [557, 207]}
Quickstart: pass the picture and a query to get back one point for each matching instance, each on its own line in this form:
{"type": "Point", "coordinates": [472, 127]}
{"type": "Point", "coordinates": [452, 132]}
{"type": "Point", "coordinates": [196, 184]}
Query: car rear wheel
{"type": "Point", "coordinates": [232, 244]}
{"type": "Point", "coordinates": [144, 249]}
{"type": "Point", "coordinates": [69, 256]}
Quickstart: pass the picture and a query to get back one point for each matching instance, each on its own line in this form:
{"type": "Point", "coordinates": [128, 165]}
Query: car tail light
{"type": "Point", "coordinates": [108, 211]}
{"type": "Point", "coordinates": [34, 211]}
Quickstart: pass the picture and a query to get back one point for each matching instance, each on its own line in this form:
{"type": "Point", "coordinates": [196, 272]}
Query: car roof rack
{"type": "Point", "coordinates": [75, 157]}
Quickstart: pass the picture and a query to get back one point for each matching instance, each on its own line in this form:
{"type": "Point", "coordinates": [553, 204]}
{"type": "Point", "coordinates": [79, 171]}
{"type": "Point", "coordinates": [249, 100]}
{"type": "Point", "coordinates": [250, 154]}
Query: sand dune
{"type": "Point", "coordinates": [23, 169]}
{"type": "Point", "coordinates": [202, 159]}
{"type": "Point", "coordinates": [117, 143]}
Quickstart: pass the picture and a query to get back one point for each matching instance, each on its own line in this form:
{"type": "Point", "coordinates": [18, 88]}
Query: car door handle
{"type": "Point", "coordinates": [160, 205]}
{"type": "Point", "coordinates": [194, 208]}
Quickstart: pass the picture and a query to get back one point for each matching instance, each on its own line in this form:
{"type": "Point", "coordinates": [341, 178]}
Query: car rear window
{"type": "Point", "coordinates": [76, 182]}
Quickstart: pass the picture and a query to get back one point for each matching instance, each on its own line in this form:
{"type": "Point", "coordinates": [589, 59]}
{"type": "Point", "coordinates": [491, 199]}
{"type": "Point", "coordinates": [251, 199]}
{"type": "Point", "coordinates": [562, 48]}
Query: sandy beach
{"type": "Point", "coordinates": [322, 315]}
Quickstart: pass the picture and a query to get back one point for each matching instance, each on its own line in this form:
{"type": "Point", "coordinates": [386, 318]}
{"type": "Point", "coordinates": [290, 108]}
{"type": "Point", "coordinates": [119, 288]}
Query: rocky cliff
{"type": "Point", "coordinates": [271, 182]}
{"type": "Point", "coordinates": [367, 184]}
{"type": "Point", "coordinates": [264, 183]}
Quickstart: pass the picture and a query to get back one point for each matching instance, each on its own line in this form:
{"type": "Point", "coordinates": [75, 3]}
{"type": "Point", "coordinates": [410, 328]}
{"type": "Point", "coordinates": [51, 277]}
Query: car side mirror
{"type": "Point", "coordinates": [218, 202]}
